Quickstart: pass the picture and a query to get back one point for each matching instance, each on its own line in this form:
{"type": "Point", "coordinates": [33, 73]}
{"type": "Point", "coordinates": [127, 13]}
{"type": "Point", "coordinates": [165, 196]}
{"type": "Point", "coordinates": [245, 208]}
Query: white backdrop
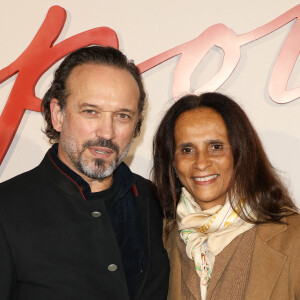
{"type": "Point", "coordinates": [145, 29]}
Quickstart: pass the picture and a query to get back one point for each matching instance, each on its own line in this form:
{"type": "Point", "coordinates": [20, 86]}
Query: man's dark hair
{"type": "Point", "coordinates": [98, 55]}
{"type": "Point", "coordinates": [254, 179]}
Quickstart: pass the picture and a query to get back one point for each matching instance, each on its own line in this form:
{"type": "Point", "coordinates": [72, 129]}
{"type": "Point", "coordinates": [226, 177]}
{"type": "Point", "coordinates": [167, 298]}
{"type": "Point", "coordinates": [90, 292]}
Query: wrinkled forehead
{"type": "Point", "coordinates": [101, 82]}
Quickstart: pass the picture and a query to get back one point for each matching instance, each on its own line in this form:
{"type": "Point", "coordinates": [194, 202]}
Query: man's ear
{"type": "Point", "coordinates": [57, 115]}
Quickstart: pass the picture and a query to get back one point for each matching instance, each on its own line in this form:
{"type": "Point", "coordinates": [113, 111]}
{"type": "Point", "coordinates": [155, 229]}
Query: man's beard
{"type": "Point", "coordinates": [96, 168]}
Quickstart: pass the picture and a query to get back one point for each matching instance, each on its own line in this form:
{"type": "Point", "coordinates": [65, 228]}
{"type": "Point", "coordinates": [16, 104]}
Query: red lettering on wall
{"type": "Point", "coordinates": [41, 55]}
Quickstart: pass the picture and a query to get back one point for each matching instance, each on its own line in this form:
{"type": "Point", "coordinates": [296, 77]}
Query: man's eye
{"type": "Point", "coordinates": [89, 111]}
{"type": "Point", "coordinates": [123, 116]}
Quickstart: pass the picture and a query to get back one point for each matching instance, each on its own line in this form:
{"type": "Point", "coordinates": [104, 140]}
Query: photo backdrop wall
{"type": "Point", "coordinates": [254, 60]}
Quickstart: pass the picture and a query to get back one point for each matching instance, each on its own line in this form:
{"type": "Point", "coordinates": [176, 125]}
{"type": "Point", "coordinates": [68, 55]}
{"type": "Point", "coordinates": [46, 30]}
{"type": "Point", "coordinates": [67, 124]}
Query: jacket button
{"type": "Point", "coordinates": [112, 267]}
{"type": "Point", "coordinates": [96, 214]}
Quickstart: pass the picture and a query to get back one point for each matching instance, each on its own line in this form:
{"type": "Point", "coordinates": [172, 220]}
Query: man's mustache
{"type": "Point", "coordinates": [100, 142]}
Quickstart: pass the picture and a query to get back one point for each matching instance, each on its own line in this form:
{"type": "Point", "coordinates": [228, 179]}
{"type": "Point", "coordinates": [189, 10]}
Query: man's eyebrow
{"type": "Point", "coordinates": [126, 110]}
{"type": "Point", "coordinates": [123, 109]}
{"type": "Point", "coordinates": [87, 104]}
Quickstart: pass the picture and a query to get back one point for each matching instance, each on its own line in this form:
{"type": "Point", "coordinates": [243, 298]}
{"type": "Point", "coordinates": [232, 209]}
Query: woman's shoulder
{"type": "Point", "coordinates": [293, 220]}
{"type": "Point", "coordinates": [293, 226]}
{"type": "Point", "coordinates": [282, 236]}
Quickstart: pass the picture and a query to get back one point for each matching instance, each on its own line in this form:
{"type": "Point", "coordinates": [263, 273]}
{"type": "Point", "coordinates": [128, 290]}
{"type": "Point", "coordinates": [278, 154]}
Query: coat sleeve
{"type": "Point", "coordinates": [155, 283]}
{"type": "Point", "coordinates": [6, 268]}
{"type": "Point", "coordinates": [158, 280]}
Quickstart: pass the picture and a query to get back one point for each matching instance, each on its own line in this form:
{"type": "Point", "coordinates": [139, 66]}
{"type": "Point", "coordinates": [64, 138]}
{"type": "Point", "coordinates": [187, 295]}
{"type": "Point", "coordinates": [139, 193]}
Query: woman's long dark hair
{"type": "Point", "coordinates": [254, 178]}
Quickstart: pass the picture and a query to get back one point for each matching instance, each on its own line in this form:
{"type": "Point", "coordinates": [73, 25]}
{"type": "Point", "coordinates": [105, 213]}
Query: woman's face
{"type": "Point", "coordinates": [203, 159]}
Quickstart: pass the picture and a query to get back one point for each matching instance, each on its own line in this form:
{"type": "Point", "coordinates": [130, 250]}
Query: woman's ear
{"type": "Point", "coordinates": [57, 115]}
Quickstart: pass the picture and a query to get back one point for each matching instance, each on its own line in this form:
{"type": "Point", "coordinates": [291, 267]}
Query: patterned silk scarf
{"type": "Point", "coordinates": [206, 233]}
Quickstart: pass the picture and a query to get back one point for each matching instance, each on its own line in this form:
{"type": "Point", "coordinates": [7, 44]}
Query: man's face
{"type": "Point", "coordinates": [97, 125]}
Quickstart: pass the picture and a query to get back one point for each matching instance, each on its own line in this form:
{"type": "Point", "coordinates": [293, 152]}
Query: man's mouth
{"type": "Point", "coordinates": [101, 146]}
{"type": "Point", "coordinates": [102, 152]}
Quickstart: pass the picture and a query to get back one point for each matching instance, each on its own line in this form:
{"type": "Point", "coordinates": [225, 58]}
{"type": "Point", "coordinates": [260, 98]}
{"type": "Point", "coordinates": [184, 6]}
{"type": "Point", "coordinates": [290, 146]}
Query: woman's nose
{"type": "Point", "coordinates": [202, 160]}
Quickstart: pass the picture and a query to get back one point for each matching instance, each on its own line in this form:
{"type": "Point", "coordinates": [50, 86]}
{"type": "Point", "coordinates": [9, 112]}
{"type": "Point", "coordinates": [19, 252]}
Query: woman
{"type": "Point", "coordinates": [232, 230]}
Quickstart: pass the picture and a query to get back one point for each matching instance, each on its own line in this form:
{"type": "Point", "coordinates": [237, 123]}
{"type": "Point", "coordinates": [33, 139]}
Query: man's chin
{"type": "Point", "coordinates": [100, 170]}
{"type": "Point", "coordinates": [99, 177]}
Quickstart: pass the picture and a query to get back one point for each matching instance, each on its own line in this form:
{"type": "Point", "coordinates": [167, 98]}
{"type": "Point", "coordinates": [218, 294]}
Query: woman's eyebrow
{"type": "Point", "coordinates": [213, 141]}
{"type": "Point", "coordinates": [187, 144]}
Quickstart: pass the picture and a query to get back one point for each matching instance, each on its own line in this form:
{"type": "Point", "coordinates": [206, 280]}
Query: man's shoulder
{"type": "Point", "coordinates": [144, 185]}
{"type": "Point", "coordinates": [17, 191]}
{"type": "Point", "coordinates": [21, 179]}
{"type": "Point", "coordinates": [147, 190]}
{"type": "Point", "coordinates": [35, 176]}
{"type": "Point", "coordinates": [141, 179]}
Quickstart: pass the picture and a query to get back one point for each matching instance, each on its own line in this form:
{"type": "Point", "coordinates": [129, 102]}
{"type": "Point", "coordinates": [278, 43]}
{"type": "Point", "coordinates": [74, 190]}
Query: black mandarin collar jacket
{"type": "Point", "coordinates": [54, 246]}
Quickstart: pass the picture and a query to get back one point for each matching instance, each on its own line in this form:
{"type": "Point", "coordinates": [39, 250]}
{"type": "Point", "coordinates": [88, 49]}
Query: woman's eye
{"type": "Point", "coordinates": [217, 147]}
{"type": "Point", "coordinates": [187, 150]}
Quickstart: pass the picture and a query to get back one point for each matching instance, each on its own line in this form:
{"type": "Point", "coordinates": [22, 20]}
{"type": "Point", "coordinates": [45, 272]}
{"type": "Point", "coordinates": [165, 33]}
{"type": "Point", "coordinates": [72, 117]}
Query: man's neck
{"type": "Point", "coordinates": [98, 185]}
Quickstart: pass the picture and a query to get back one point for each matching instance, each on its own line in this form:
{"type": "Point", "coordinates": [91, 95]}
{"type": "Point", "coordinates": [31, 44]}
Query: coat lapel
{"type": "Point", "coordinates": [232, 266]}
{"type": "Point", "coordinates": [221, 263]}
{"type": "Point", "coordinates": [267, 263]}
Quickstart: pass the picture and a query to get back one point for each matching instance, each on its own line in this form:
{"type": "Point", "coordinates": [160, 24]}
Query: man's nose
{"type": "Point", "coordinates": [106, 126]}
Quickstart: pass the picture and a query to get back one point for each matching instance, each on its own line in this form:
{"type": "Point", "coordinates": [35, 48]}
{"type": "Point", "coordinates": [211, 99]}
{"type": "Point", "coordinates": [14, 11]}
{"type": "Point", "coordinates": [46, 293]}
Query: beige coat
{"type": "Point", "coordinates": [274, 267]}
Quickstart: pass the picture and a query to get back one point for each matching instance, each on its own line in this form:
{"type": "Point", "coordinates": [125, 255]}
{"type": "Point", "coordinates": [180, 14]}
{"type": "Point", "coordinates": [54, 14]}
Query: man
{"type": "Point", "coordinates": [81, 225]}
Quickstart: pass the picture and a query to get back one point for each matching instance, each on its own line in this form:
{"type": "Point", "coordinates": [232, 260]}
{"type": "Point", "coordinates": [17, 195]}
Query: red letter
{"type": "Point", "coordinates": [37, 59]}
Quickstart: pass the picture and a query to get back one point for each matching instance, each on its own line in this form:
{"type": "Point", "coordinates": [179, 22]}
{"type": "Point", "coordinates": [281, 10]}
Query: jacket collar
{"type": "Point", "coordinates": [269, 230]}
{"type": "Point", "coordinates": [75, 185]}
